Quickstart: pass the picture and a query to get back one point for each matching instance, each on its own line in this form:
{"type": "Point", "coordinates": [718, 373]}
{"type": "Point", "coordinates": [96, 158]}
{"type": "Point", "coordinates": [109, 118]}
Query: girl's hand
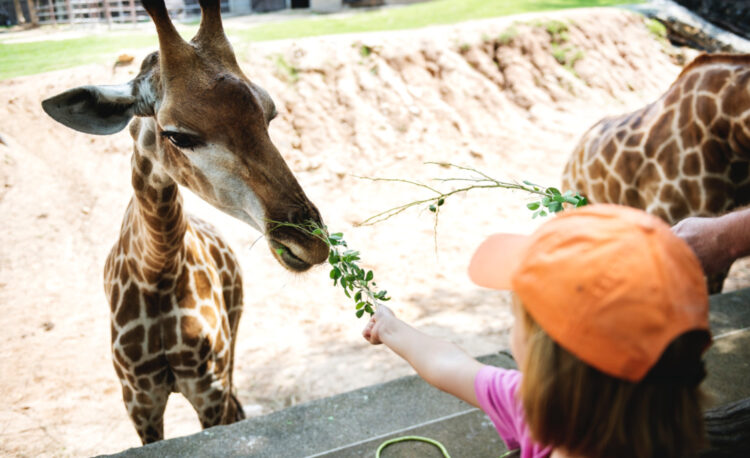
{"type": "Point", "coordinates": [383, 315]}
{"type": "Point", "coordinates": [439, 362]}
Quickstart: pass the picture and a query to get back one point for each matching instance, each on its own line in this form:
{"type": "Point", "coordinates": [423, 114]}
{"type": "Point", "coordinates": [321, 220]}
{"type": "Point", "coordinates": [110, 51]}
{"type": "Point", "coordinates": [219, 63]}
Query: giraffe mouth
{"type": "Point", "coordinates": [287, 258]}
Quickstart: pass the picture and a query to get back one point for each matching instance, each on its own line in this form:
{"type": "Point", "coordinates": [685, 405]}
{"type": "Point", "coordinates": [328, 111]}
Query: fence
{"type": "Point", "coordinates": [102, 11]}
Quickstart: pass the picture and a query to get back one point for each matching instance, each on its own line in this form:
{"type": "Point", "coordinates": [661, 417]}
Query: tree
{"type": "Point", "coordinates": [32, 13]}
{"type": "Point", "coordinates": [20, 18]}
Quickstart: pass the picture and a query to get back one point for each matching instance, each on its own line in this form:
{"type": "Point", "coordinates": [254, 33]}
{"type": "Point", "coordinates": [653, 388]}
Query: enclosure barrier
{"type": "Point", "coordinates": [103, 11]}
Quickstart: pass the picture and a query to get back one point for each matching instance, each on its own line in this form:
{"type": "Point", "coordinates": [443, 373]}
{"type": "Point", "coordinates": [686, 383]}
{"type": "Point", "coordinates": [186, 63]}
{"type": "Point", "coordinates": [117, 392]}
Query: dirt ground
{"type": "Point", "coordinates": [486, 94]}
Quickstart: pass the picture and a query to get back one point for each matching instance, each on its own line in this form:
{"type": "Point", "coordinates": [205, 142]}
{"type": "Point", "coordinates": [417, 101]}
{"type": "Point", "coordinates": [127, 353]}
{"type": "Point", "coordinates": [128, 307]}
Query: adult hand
{"type": "Point", "coordinates": [378, 321]}
{"type": "Point", "coordinates": [708, 239]}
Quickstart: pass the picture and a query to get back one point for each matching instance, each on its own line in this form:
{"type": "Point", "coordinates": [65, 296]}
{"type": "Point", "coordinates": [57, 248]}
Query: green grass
{"type": "Point", "coordinates": [657, 29]}
{"type": "Point", "coordinates": [20, 59]}
{"type": "Point", "coordinates": [413, 16]}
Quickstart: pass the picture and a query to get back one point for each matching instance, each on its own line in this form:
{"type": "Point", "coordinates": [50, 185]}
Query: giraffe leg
{"type": "Point", "coordinates": [212, 399]}
{"type": "Point", "coordinates": [146, 410]}
{"type": "Point", "coordinates": [239, 411]}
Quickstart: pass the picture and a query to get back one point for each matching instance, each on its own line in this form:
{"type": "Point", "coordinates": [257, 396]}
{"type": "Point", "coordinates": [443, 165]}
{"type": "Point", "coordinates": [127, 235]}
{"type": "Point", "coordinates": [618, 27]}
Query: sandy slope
{"type": "Point", "coordinates": [441, 94]}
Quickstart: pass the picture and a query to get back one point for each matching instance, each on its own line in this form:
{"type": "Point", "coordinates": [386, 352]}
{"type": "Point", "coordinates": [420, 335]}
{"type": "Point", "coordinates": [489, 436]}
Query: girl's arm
{"type": "Point", "coordinates": [441, 364]}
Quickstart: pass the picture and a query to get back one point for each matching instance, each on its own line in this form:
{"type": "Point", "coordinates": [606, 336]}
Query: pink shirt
{"type": "Point", "coordinates": [496, 390]}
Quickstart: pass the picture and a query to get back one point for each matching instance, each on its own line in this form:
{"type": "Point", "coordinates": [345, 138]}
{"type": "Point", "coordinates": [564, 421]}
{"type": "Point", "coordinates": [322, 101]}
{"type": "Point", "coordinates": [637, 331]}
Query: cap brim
{"type": "Point", "coordinates": [496, 259]}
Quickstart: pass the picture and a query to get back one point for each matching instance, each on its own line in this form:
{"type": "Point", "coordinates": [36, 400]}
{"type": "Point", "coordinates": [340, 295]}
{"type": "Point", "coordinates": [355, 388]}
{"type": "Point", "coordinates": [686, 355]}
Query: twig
{"type": "Point", "coordinates": [358, 284]}
{"type": "Point", "coordinates": [551, 200]}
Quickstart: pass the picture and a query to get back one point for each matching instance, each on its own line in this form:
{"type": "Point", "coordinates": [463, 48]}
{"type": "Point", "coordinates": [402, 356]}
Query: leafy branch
{"type": "Point", "coordinates": [549, 199]}
{"type": "Point", "coordinates": [358, 283]}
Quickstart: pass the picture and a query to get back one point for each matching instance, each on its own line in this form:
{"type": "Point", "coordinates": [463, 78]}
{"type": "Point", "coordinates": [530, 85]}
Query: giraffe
{"type": "Point", "coordinates": [685, 154]}
{"type": "Point", "coordinates": [174, 286]}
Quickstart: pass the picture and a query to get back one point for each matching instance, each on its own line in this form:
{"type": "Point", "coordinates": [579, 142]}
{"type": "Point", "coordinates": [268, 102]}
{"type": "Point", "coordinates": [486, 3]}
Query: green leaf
{"type": "Point", "coordinates": [440, 202]}
{"type": "Point", "coordinates": [533, 205]}
{"type": "Point", "coordinates": [360, 304]}
{"type": "Point", "coordinates": [555, 207]}
{"type": "Point", "coordinates": [358, 296]}
{"type": "Point", "coordinates": [368, 309]}
{"type": "Point", "coordinates": [351, 256]}
{"type": "Point", "coordinates": [360, 312]}
{"type": "Point", "coordinates": [553, 191]}
{"type": "Point", "coordinates": [433, 208]}
{"type": "Point", "coordinates": [369, 276]}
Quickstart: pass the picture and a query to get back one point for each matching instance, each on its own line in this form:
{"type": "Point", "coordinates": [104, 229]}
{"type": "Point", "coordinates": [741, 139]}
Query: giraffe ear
{"type": "Point", "coordinates": [100, 110]}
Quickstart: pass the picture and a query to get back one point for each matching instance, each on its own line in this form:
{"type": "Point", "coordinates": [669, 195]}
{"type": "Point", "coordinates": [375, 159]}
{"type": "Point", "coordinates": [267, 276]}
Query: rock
{"type": "Point", "coordinates": [730, 15]}
{"type": "Point", "coordinates": [688, 28]}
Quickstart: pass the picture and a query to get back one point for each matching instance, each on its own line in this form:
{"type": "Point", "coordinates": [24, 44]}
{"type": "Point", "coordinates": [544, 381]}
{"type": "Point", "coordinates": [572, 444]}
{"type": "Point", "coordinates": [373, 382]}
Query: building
{"type": "Point", "coordinates": [129, 11]}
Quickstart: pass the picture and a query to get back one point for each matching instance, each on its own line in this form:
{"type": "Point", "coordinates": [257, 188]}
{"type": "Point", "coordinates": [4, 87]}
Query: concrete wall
{"type": "Point", "coordinates": [239, 6]}
{"type": "Point", "coordinates": [325, 6]}
{"type": "Point", "coordinates": [330, 6]}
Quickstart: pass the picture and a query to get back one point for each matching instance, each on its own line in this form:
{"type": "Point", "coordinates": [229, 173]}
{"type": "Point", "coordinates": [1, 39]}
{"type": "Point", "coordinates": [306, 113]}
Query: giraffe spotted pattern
{"type": "Point", "coordinates": [175, 292]}
{"type": "Point", "coordinates": [174, 286]}
{"type": "Point", "coordinates": [686, 154]}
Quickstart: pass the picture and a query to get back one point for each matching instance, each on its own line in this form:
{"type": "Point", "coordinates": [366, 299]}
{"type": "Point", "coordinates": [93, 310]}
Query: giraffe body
{"type": "Point", "coordinates": [174, 286]}
{"type": "Point", "coordinates": [174, 313]}
{"type": "Point", "coordinates": [685, 154]}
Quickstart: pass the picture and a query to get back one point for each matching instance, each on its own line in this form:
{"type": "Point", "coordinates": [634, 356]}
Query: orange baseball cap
{"type": "Point", "coordinates": [612, 285]}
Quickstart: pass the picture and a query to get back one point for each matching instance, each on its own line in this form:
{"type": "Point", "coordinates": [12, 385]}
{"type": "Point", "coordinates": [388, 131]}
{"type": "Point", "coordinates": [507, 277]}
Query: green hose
{"type": "Point", "coordinates": [412, 438]}
{"type": "Point", "coordinates": [429, 441]}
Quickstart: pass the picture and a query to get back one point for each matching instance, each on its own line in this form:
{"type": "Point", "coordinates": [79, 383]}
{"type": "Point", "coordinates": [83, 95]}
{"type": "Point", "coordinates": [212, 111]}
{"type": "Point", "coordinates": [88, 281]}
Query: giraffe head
{"type": "Point", "coordinates": [201, 122]}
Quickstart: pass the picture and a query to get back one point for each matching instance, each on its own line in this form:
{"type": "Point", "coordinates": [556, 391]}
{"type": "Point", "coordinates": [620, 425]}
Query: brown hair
{"type": "Point", "coordinates": [582, 411]}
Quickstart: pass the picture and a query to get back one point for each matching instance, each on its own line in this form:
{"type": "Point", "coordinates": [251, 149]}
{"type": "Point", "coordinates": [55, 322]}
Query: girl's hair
{"type": "Point", "coordinates": [574, 407]}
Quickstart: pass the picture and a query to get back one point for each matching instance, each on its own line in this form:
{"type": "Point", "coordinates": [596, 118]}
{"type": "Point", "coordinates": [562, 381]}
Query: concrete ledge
{"type": "Point", "coordinates": [340, 425]}
{"type": "Point", "coordinates": [354, 424]}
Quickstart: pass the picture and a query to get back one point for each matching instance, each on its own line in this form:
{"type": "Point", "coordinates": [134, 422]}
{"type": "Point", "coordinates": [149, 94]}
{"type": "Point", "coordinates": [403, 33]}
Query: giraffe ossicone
{"type": "Point", "coordinates": [685, 154]}
{"type": "Point", "coordinates": [174, 286]}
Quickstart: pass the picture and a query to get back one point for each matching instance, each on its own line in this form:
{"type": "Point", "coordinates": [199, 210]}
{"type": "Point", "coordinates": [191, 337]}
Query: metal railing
{"type": "Point", "coordinates": [108, 11]}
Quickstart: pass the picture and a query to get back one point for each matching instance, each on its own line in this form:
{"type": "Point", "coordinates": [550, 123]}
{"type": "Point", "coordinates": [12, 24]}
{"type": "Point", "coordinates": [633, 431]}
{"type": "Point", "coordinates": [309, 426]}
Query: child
{"type": "Point", "coordinates": [611, 321]}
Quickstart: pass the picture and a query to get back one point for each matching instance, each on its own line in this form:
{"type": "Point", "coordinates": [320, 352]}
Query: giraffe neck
{"type": "Point", "coordinates": [157, 223]}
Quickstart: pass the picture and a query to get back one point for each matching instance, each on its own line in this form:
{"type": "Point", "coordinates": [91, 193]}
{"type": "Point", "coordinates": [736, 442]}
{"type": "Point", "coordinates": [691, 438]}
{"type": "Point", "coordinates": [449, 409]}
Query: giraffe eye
{"type": "Point", "coordinates": [181, 140]}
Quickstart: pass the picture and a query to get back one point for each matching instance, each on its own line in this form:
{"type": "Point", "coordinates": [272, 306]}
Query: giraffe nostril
{"type": "Point", "coordinates": [296, 216]}
{"type": "Point", "coordinates": [303, 215]}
